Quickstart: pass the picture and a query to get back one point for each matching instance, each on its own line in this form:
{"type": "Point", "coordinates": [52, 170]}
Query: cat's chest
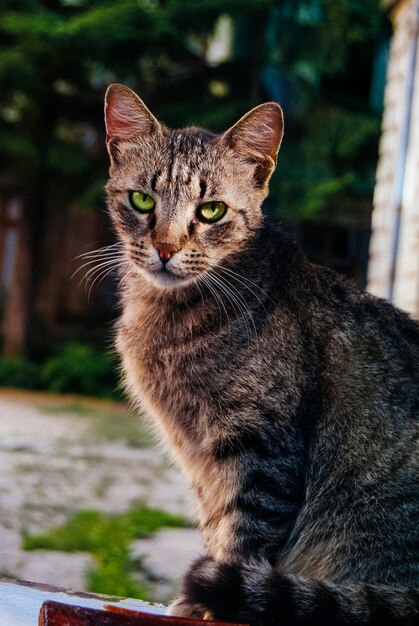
{"type": "Point", "coordinates": [170, 373]}
{"type": "Point", "coordinates": [170, 369]}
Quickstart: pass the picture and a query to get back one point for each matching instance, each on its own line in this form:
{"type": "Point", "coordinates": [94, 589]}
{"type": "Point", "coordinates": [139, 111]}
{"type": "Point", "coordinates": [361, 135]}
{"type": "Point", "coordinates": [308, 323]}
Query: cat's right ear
{"type": "Point", "coordinates": [257, 136]}
{"type": "Point", "coordinates": [126, 117]}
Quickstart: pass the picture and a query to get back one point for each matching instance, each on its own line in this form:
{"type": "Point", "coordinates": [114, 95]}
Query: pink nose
{"type": "Point", "coordinates": [165, 250]}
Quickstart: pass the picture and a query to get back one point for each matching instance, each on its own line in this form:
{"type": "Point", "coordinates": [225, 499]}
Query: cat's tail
{"type": "Point", "coordinates": [259, 595]}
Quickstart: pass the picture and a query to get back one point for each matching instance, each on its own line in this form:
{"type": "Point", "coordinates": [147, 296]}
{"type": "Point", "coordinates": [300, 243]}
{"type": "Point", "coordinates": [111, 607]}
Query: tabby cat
{"type": "Point", "coordinates": [289, 397]}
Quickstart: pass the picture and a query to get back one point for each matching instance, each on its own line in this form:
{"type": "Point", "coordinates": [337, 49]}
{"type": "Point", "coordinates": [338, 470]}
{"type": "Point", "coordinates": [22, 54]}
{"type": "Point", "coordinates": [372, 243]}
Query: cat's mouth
{"type": "Point", "coordinates": [166, 277]}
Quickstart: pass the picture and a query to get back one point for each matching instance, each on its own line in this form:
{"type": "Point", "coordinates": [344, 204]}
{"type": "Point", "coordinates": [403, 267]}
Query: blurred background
{"type": "Point", "coordinates": [194, 62]}
{"type": "Point", "coordinates": [202, 62]}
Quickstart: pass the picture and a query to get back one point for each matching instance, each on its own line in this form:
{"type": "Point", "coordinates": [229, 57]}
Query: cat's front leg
{"type": "Point", "coordinates": [249, 499]}
{"type": "Point", "coordinates": [209, 589]}
{"type": "Point", "coordinates": [217, 591]}
{"type": "Point", "coordinates": [250, 491]}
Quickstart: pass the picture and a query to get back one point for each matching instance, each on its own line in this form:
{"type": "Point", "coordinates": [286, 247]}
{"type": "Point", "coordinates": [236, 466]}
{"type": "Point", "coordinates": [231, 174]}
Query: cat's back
{"type": "Point", "coordinates": [363, 457]}
{"type": "Point", "coordinates": [345, 327]}
{"type": "Point", "coordinates": [369, 330]}
{"type": "Point", "coordinates": [367, 361]}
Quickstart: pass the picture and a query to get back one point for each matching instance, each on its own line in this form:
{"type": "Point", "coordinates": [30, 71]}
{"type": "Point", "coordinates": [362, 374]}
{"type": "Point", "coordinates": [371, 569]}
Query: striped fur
{"type": "Point", "coordinates": [289, 398]}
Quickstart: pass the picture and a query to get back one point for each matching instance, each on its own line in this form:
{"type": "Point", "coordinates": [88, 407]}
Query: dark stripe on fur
{"type": "Point", "coordinates": [154, 180]}
{"type": "Point", "coordinates": [262, 596]}
{"type": "Point", "coordinates": [249, 441]}
{"type": "Point", "coordinates": [203, 188]}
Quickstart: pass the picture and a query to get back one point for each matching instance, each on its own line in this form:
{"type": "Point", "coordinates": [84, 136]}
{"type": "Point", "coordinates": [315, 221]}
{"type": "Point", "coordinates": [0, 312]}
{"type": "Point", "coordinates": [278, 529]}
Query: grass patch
{"type": "Point", "coordinates": [105, 424]}
{"type": "Point", "coordinates": [109, 426]}
{"type": "Point", "coordinates": [108, 538]}
{"type": "Point", "coordinates": [67, 408]}
{"type": "Point", "coordinates": [5, 573]}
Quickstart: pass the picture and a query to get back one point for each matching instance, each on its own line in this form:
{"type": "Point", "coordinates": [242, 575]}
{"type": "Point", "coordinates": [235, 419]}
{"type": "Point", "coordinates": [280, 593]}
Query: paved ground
{"type": "Point", "coordinates": [61, 454]}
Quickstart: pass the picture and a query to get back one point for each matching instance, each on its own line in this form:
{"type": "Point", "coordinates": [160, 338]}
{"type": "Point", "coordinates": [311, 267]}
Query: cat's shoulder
{"type": "Point", "coordinates": [310, 287]}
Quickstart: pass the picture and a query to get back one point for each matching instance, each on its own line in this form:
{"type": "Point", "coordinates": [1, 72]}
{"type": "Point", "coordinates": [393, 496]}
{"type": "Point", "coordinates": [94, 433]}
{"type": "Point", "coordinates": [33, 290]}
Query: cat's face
{"type": "Point", "coordinates": [184, 200]}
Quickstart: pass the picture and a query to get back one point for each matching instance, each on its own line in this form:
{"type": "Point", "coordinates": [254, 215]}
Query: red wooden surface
{"type": "Point", "coordinates": [58, 614]}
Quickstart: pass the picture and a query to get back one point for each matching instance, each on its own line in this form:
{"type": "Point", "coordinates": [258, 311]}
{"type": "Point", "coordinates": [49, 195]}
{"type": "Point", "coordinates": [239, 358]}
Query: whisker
{"type": "Point", "coordinates": [97, 268]}
{"type": "Point", "coordinates": [228, 270]}
{"type": "Point", "coordinates": [110, 252]}
{"type": "Point", "coordinates": [99, 255]}
{"type": "Point", "coordinates": [115, 260]}
{"type": "Point", "coordinates": [104, 267]}
{"type": "Point", "coordinates": [100, 251]}
{"type": "Point", "coordinates": [218, 300]}
{"type": "Point", "coordinates": [221, 287]}
{"type": "Point", "coordinates": [126, 278]}
{"type": "Point", "coordinates": [237, 299]}
{"type": "Point", "coordinates": [240, 279]}
{"type": "Point", "coordinates": [237, 305]}
{"type": "Point", "coordinates": [99, 278]}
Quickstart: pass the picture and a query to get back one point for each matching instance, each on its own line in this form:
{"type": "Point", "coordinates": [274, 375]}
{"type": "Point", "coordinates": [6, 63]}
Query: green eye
{"type": "Point", "coordinates": [141, 201]}
{"type": "Point", "coordinates": [211, 211]}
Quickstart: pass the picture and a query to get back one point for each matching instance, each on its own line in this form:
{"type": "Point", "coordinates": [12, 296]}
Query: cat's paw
{"type": "Point", "coordinates": [213, 590]}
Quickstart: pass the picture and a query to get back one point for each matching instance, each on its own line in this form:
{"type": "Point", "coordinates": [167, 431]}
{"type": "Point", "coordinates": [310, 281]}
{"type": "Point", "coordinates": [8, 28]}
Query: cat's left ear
{"type": "Point", "coordinates": [126, 117]}
{"type": "Point", "coordinates": [258, 135]}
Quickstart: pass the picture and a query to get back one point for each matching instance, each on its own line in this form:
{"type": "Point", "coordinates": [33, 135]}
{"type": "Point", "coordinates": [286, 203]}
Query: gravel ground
{"type": "Point", "coordinates": [61, 454]}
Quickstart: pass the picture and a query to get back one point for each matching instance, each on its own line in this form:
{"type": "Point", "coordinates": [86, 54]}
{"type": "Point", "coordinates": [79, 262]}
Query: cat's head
{"type": "Point", "coordinates": [184, 200]}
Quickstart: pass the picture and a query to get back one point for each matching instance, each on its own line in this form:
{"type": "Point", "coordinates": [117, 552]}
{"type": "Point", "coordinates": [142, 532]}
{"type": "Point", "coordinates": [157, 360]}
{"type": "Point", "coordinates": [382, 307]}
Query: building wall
{"type": "Point", "coordinates": [393, 270]}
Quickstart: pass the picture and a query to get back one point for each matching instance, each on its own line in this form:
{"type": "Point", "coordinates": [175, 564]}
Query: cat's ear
{"type": "Point", "coordinates": [258, 135]}
{"type": "Point", "coordinates": [126, 116]}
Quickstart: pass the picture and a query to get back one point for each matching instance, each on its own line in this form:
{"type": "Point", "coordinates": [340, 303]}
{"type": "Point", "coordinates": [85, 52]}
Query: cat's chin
{"type": "Point", "coordinates": [165, 279]}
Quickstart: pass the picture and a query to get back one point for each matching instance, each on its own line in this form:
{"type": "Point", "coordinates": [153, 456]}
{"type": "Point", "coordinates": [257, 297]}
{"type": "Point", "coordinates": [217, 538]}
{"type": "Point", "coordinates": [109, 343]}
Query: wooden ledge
{"type": "Point", "coordinates": [57, 614]}
{"type": "Point", "coordinates": [21, 601]}
{"type": "Point", "coordinates": [30, 604]}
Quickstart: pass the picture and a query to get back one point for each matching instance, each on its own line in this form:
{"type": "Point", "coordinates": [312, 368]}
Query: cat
{"type": "Point", "coordinates": [289, 397]}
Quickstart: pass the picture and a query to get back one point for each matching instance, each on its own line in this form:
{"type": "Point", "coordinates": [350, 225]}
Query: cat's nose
{"type": "Point", "coordinates": [165, 250]}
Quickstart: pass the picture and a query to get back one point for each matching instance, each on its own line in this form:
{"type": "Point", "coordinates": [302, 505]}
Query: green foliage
{"type": "Point", "coordinates": [19, 372]}
{"type": "Point", "coordinates": [314, 56]}
{"type": "Point", "coordinates": [321, 34]}
{"type": "Point", "coordinates": [59, 58]}
{"type": "Point", "coordinates": [322, 54]}
{"type": "Point", "coordinates": [327, 170]}
{"type": "Point", "coordinates": [79, 368]}
{"type": "Point", "coordinates": [75, 368]}
{"type": "Point", "coordinates": [108, 539]}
